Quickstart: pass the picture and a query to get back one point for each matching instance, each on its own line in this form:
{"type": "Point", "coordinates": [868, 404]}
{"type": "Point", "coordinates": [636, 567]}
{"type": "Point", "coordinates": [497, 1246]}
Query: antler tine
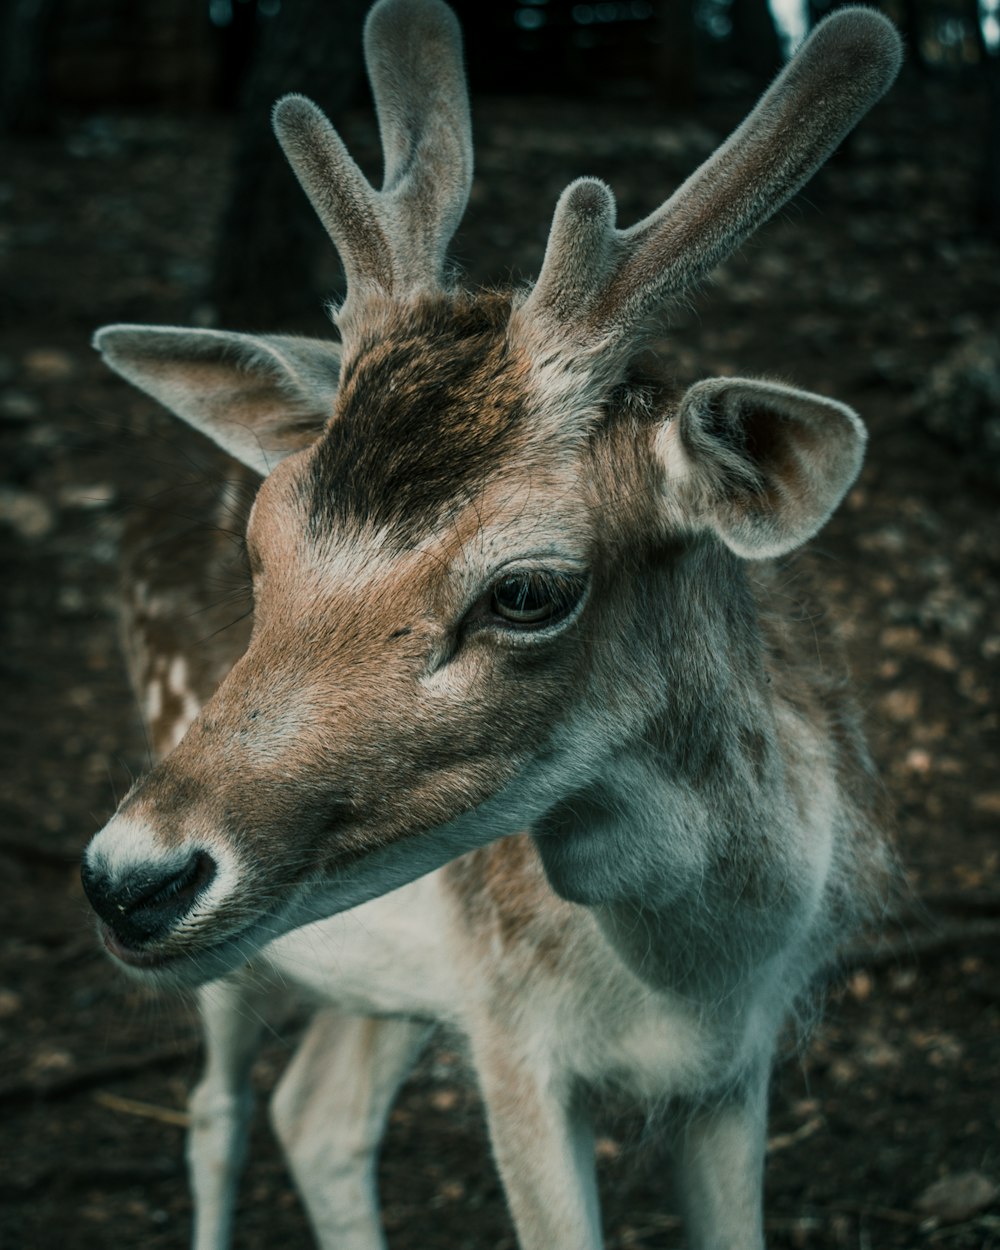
{"type": "Point", "coordinates": [599, 282]}
{"type": "Point", "coordinates": [344, 200]}
{"type": "Point", "coordinates": [392, 240]}
{"type": "Point", "coordinates": [413, 49]}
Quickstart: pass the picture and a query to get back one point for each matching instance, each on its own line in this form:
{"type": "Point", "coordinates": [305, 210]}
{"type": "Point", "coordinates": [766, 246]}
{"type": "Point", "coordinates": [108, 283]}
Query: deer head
{"type": "Point", "coordinates": [469, 507]}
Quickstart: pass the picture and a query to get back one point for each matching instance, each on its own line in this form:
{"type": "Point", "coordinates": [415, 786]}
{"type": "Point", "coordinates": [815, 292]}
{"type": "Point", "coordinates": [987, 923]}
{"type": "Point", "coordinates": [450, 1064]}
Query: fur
{"type": "Point", "coordinates": [609, 833]}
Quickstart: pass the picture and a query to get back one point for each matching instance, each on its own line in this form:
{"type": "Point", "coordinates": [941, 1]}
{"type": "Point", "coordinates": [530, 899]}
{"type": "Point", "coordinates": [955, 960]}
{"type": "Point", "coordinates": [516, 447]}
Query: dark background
{"type": "Point", "coordinates": [139, 182]}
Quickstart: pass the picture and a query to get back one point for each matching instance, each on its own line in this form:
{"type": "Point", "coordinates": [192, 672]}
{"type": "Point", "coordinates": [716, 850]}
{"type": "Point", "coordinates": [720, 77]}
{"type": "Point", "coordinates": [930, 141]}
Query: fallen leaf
{"type": "Point", "coordinates": [956, 1197]}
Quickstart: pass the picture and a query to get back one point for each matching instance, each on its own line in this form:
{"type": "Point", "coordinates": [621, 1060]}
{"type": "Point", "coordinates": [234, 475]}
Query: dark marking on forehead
{"type": "Point", "coordinates": [429, 403]}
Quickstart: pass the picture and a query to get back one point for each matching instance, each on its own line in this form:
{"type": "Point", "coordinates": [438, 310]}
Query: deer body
{"type": "Point", "coordinates": [523, 738]}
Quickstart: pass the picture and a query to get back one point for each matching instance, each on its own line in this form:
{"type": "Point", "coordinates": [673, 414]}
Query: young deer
{"type": "Point", "coordinates": [523, 739]}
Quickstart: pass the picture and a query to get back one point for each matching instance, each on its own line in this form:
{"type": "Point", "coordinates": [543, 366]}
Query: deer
{"type": "Point", "coordinates": [524, 738]}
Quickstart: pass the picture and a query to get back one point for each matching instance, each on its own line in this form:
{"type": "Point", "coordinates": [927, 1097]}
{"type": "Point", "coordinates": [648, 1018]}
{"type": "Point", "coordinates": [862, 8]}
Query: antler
{"type": "Point", "coordinates": [393, 240]}
{"type": "Point", "coordinates": [597, 282]}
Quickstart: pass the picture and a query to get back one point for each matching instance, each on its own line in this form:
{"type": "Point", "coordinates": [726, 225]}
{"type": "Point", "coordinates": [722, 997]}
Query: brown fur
{"type": "Point", "coordinates": [432, 397]}
{"type": "Point", "coordinates": [678, 746]}
{"type": "Point", "coordinates": [503, 896]}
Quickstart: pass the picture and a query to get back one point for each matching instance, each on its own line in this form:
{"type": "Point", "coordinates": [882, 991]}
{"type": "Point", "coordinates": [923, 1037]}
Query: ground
{"type": "Point", "coordinates": [874, 288]}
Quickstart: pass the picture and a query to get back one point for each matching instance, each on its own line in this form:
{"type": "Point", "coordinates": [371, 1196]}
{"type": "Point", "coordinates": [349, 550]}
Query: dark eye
{"type": "Point", "coordinates": [533, 600]}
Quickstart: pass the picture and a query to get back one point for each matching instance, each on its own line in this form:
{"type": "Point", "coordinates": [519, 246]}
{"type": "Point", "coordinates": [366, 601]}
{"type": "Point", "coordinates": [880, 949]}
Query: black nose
{"type": "Point", "coordinates": [144, 904]}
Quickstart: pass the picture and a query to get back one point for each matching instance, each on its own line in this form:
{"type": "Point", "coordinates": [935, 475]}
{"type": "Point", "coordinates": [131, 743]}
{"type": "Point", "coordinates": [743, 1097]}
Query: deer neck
{"type": "Point", "coordinates": [688, 833]}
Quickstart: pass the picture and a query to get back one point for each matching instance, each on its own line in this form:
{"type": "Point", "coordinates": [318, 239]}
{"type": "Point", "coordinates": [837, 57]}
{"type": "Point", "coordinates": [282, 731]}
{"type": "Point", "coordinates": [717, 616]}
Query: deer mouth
{"type": "Point", "coordinates": [129, 955]}
{"type": "Point", "coordinates": [188, 966]}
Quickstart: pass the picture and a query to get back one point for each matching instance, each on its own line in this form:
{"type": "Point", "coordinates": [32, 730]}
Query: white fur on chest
{"type": "Point", "coordinates": [399, 955]}
{"type": "Point", "coordinates": [609, 1030]}
{"type": "Point", "coordinates": [385, 957]}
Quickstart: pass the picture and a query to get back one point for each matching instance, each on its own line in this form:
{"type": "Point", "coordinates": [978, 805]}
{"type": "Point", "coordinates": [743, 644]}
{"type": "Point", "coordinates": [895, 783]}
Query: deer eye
{"type": "Point", "coordinates": [532, 600]}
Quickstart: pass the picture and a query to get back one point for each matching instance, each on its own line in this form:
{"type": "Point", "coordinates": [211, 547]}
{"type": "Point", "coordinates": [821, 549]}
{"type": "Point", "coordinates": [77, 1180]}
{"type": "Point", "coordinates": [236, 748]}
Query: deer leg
{"type": "Point", "coordinates": [329, 1112]}
{"type": "Point", "coordinates": [719, 1168]}
{"type": "Point", "coordinates": [221, 1105]}
{"type": "Point", "coordinates": [543, 1144]}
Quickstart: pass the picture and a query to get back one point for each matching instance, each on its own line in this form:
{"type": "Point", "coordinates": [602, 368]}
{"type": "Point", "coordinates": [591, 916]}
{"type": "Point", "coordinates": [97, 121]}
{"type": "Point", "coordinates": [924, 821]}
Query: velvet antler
{"type": "Point", "coordinates": [597, 283]}
{"type": "Point", "coordinates": [392, 240]}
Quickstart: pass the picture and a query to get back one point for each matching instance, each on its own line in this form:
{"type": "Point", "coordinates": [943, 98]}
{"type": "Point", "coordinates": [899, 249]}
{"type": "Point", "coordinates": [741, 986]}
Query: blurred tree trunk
{"type": "Point", "coordinates": [912, 31]}
{"type": "Point", "coordinates": [264, 274]}
{"type": "Point", "coordinates": [990, 199]}
{"type": "Point", "coordinates": [755, 43]}
{"type": "Point", "coordinates": [24, 29]}
{"type": "Point", "coordinates": [989, 188]}
{"type": "Point", "coordinates": [676, 52]}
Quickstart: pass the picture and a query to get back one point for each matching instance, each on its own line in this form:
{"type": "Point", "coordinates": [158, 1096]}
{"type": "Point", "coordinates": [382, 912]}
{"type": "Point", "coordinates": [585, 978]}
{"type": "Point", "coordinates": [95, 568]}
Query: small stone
{"type": "Point", "coordinates": [903, 980]}
{"type": "Point", "coordinates": [26, 513]}
{"type": "Point", "coordinates": [956, 1197]}
{"type": "Point", "coordinates": [890, 539]}
{"type": "Point", "coordinates": [10, 1004]}
{"type": "Point", "coordinates": [879, 1054]}
{"type": "Point", "coordinates": [901, 705]}
{"type": "Point", "coordinates": [899, 637]}
{"type": "Point", "coordinates": [48, 363]}
{"type": "Point", "coordinates": [95, 495]}
{"type": "Point", "coordinates": [72, 600]}
{"type": "Point", "coordinates": [942, 657]}
{"type": "Point", "coordinates": [918, 761]}
{"type": "Point", "coordinates": [843, 1071]}
{"type": "Point", "coordinates": [50, 1061]}
{"type": "Point", "coordinates": [19, 405]}
{"type": "Point", "coordinates": [970, 685]}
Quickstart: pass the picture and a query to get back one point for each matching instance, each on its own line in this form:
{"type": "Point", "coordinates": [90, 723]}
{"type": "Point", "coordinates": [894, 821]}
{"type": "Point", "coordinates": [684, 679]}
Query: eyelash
{"type": "Point", "coordinates": [528, 600]}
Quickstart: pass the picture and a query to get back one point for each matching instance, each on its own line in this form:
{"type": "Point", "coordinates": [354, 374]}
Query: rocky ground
{"type": "Point", "coordinates": [872, 287]}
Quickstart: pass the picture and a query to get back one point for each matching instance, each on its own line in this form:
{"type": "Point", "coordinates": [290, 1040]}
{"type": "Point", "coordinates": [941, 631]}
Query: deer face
{"type": "Point", "coordinates": [452, 557]}
{"type": "Point", "coordinates": [422, 583]}
{"type": "Point", "coordinates": [451, 623]}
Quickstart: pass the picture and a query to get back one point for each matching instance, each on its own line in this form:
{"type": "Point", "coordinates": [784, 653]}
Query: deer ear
{"type": "Point", "coordinates": [763, 465]}
{"type": "Point", "coordinates": [260, 397]}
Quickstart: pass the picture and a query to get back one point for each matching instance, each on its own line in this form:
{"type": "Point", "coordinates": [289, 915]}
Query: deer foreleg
{"type": "Point", "coordinates": [544, 1148]}
{"type": "Point", "coordinates": [221, 1106]}
{"type": "Point", "coordinates": [329, 1112]}
{"type": "Point", "coordinates": [719, 1168]}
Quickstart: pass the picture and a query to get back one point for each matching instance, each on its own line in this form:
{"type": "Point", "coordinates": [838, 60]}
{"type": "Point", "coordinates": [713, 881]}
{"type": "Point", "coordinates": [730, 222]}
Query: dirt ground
{"type": "Point", "coordinates": [874, 288]}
